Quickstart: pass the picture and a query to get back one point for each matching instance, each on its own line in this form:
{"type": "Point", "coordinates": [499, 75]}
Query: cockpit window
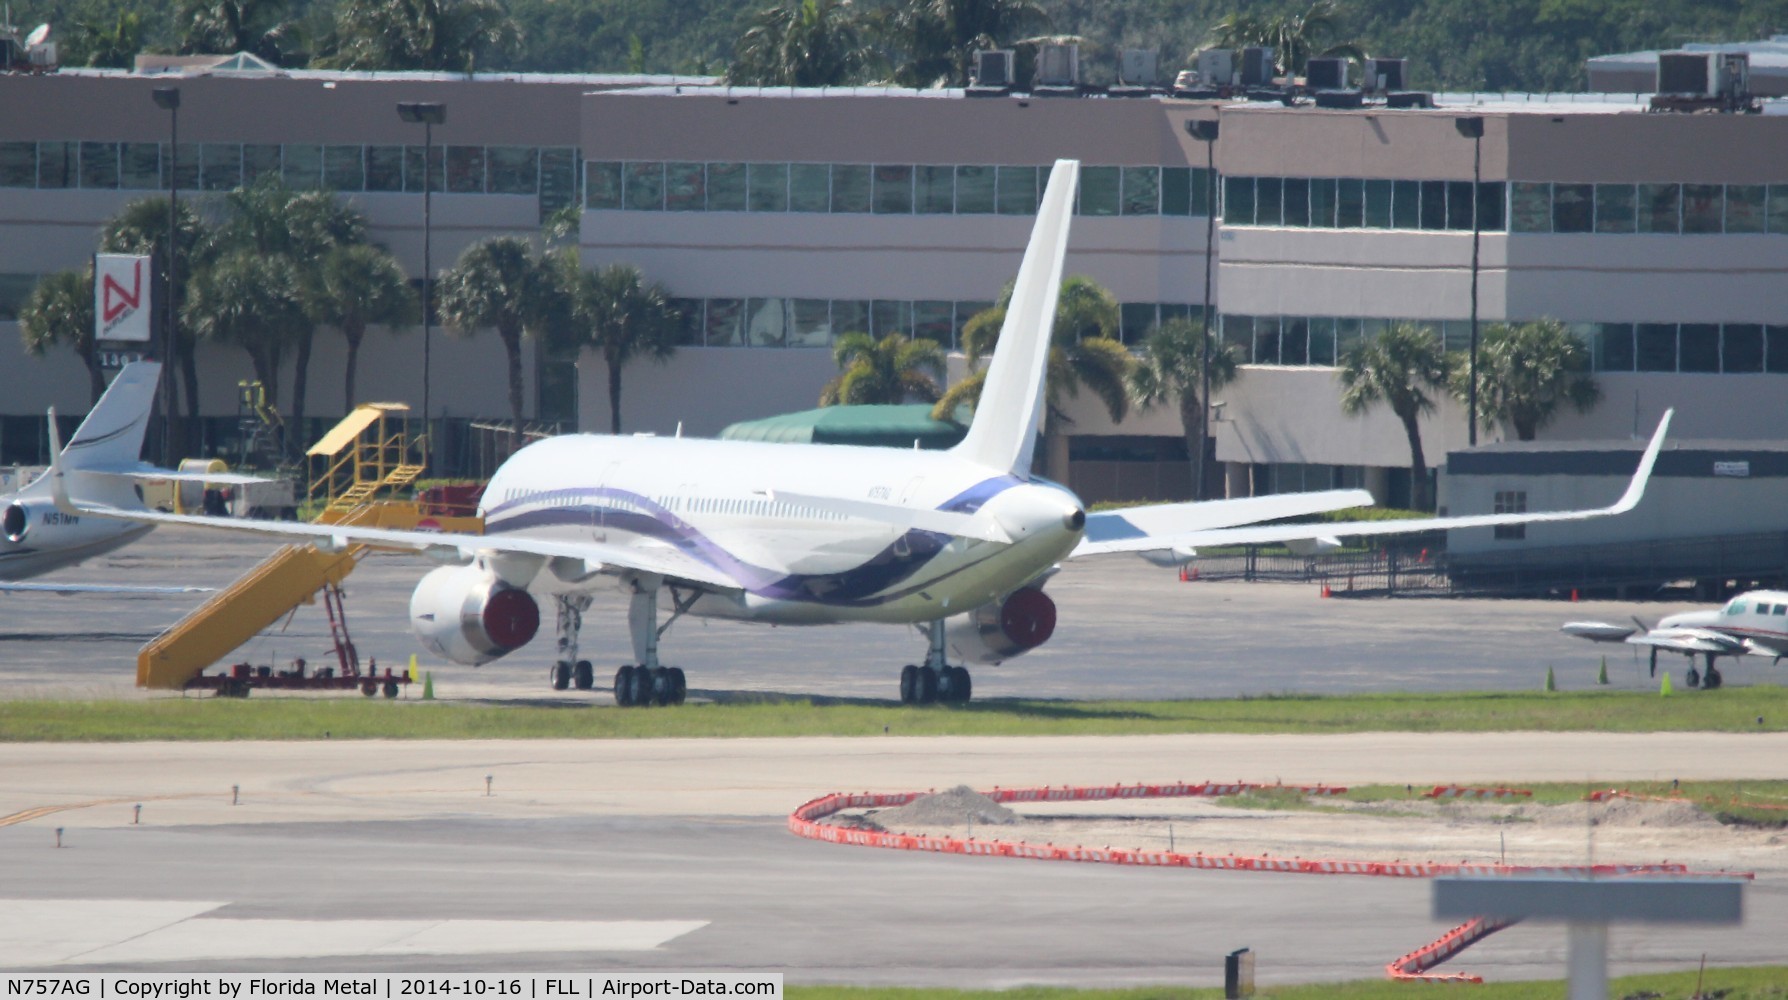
{"type": "Point", "coordinates": [1735, 608]}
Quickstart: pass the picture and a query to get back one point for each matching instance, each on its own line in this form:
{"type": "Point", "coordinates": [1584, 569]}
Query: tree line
{"type": "Point", "coordinates": [1535, 45]}
{"type": "Point", "coordinates": [265, 267]}
{"type": "Point", "coordinates": [1527, 372]}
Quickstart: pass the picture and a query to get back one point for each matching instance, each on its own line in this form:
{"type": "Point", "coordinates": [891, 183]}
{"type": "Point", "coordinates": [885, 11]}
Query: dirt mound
{"type": "Point", "coordinates": [956, 807]}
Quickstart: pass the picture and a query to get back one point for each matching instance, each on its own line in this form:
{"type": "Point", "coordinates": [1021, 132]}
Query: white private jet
{"type": "Point", "coordinates": [37, 537]}
{"type": "Point", "coordinates": [958, 543]}
{"type": "Point", "coordinates": [1754, 623]}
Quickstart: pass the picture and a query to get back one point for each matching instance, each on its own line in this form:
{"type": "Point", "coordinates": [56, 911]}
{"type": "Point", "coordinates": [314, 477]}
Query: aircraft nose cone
{"type": "Point", "coordinates": [1076, 520]}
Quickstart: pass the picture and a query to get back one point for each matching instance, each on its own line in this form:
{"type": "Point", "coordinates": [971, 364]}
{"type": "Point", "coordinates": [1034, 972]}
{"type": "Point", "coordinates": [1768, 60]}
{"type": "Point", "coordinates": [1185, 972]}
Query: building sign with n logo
{"type": "Point", "coordinates": [120, 297]}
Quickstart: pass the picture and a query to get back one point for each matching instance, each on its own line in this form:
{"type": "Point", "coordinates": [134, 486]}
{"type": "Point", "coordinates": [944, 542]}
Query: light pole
{"type": "Point", "coordinates": [1205, 131]}
{"type": "Point", "coordinates": [1472, 127]}
{"type": "Point", "coordinates": [429, 114]}
{"type": "Point", "coordinates": [169, 98]}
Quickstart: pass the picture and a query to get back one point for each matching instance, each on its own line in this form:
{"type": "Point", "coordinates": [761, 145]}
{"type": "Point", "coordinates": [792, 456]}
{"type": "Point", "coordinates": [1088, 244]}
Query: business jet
{"type": "Point", "coordinates": [958, 543]}
{"type": "Point", "coordinates": [37, 537]}
{"type": "Point", "coordinates": [1754, 623]}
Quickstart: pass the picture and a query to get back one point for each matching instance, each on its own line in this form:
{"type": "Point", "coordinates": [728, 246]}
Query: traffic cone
{"type": "Point", "coordinates": [1602, 678]}
{"type": "Point", "coordinates": [428, 686]}
{"type": "Point", "coordinates": [1183, 577]}
{"type": "Point", "coordinates": [1664, 688]}
{"type": "Point", "coordinates": [1551, 682]}
{"type": "Point", "coordinates": [1573, 595]}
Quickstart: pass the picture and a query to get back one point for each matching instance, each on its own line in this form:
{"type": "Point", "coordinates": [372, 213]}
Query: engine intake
{"type": "Point", "coordinates": [15, 523]}
{"type": "Point", "coordinates": [996, 632]}
{"type": "Point", "coordinates": [467, 615]}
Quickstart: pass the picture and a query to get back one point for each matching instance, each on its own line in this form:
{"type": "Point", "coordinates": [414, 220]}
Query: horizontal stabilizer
{"type": "Point", "coordinates": [941, 521]}
{"type": "Point", "coordinates": [152, 473]}
{"type": "Point", "coordinates": [1597, 631]}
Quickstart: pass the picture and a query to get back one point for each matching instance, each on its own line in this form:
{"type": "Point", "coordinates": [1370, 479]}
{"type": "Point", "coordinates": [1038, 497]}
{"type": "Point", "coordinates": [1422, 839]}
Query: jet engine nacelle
{"type": "Point", "coordinates": [469, 616]}
{"type": "Point", "coordinates": [15, 522]}
{"type": "Point", "coordinates": [993, 633]}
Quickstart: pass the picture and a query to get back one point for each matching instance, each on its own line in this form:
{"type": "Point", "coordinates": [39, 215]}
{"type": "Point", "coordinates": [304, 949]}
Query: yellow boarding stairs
{"type": "Point", "coordinates": [364, 457]}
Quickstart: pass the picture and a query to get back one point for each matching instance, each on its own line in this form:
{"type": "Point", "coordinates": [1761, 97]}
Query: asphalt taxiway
{"type": "Point", "coordinates": [1125, 629]}
{"type": "Point", "coordinates": [673, 855]}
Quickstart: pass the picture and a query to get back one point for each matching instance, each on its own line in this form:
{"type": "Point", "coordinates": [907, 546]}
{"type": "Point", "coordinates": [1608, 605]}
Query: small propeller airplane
{"type": "Point", "coordinates": [1754, 623]}
{"type": "Point", "coordinates": [37, 537]}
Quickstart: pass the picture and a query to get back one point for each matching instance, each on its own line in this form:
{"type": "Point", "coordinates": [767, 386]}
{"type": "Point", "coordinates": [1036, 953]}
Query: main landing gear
{"type": "Point", "coordinates": [935, 680]}
{"type": "Point", "coordinates": [1706, 681]}
{"type": "Point", "coordinates": [643, 682]}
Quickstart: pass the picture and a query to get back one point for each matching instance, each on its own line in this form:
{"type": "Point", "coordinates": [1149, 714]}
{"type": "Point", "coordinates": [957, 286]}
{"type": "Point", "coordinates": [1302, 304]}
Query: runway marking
{"type": "Point", "coordinates": [38, 812]}
{"type": "Point", "coordinates": [92, 932]}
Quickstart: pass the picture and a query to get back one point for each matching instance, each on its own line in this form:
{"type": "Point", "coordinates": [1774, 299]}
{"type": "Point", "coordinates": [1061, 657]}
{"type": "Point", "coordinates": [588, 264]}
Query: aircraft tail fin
{"type": "Point", "coordinates": [112, 434]}
{"type": "Point", "coordinates": [1004, 431]}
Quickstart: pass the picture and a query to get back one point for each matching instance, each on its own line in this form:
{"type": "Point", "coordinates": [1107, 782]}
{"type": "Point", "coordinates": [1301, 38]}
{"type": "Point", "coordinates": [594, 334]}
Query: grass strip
{"type": "Point", "coordinates": [1766, 982]}
{"type": "Point", "coordinates": [1735, 803]}
{"type": "Point", "coordinates": [1762, 708]}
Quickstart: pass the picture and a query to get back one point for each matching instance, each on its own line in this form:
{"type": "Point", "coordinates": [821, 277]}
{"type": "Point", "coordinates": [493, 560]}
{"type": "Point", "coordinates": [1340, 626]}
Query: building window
{"type": "Point", "coordinates": [852, 188]}
{"type": "Point", "coordinates": [685, 189]}
{"type": "Point", "coordinates": [514, 170]}
{"type": "Point", "coordinates": [934, 190]}
{"type": "Point", "coordinates": [1099, 191]}
{"type": "Point", "coordinates": [1017, 192]}
{"type": "Point", "coordinates": [1660, 208]}
{"type": "Point", "coordinates": [893, 190]}
{"type": "Point", "coordinates": [1510, 502]}
{"type": "Point", "coordinates": [1573, 208]}
{"type": "Point", "coordinates": [974, 190]}
{"type": "Point", "coordinates": [602, 186]}
{"type": "Point", "coordinates": [302, 169]}
{"type": "Point", "coordinates": [809, 187]}
{"type": "Point", "coordinates": [727, 189]}
{"type": "Point", "coordinates": [344, 168]}
{"type": "Point", "coordinates": [1142, 190]}
{"type": "Point", "coordinates": [1615, 208]}
{"type": "Point", "coordinates": [1701, 204]}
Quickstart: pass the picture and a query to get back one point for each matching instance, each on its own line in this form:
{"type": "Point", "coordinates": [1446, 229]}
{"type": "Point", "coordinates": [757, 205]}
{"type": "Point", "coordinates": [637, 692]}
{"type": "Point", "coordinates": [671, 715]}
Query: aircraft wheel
{"type": "Point", "coordinates": [624, 686]}
{"type": "Point", "coordinates": [661, 687]}
{"type": "Point", "coordinates": [925, 690]}
{"type": "Point", "coordinates": [1692, 678]}
{"type": "Point", "coordinates": [369, 689]}
{"type": "Point", "coordinates": [1712, 680]}
{"type": "Point", "coordinates": [909, 685]}
{"type": "Point", "coordinates": [561, 675]}
{"type": "Point", "coordinates": [390, 689]}
{"type": "Point", "coordinates": [583, 675]}
{"type": "Point", "coordinates": [679, 685]}
{"type": "Point", "coordinates": [640, 691]}
{"type": "Point", "coordinates": [961, 685]}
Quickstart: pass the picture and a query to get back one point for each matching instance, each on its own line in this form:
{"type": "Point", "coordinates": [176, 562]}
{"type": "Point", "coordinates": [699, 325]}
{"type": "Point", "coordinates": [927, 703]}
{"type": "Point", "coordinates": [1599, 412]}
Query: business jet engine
{"type": "Point", "coordinates": [998, 631]}
{"type": "Point", "coordinates": [15, 523]}
{"type": "Point", "coordinates": [468, 615]}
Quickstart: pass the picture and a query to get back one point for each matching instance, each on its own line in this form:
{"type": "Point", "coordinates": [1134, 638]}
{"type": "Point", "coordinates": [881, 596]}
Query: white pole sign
{"type": "Point", "coordinates": [120, 297]}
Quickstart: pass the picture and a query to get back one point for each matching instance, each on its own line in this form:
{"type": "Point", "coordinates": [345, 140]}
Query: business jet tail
{"type": "Point", "coordinates": [1004, 431]}
{"type": "Point", "coordinates": [112, 435]}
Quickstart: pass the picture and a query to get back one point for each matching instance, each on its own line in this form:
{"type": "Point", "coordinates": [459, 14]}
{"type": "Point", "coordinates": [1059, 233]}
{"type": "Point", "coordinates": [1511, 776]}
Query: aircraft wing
{"type": "Point", "coordinates": [1174, 525]}
{"type": "Point", "coordinates": [154, 473]}
{"type": "Point", "coordinates": [98, 588]}
{"type": "Point", "coordinates": [1261, 534]}
{"type": "Point", "coordinates": [1692, 640]}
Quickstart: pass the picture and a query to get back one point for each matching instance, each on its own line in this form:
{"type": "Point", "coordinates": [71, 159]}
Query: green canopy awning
{"type": "Point", "coordinates": [896, 426]}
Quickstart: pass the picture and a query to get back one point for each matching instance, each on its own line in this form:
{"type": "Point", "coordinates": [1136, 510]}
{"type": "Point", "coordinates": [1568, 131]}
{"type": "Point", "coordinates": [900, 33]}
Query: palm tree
{"type": "Point", "coordinates": [1525, 373]}
{"type": "Point", "coordinates": [225, 27]}
{"type": "Point", "coordinates": [440, 35]}
{"type": "Point", "coordinates": [802, 43]}
{"type": "Point", "coordinates": [500, 283]}
{"type": "Point", "coordinates": [623, 317]}
{"type": "Point", "coordinates": [1399, 368]}
{"type": "Point", "coordinates": [361, 284]}
{"type": "Point", "coordinates": [142, 228]}
{"type": "Point", "coordinates": [114, 47]}
{"type": "Point", "coordinates": [60, 311]}
{"type": "Point", "coordinates": [302, 227]}
{"type": "Point", "coordinates": [1084, 353]}
{"type": "Point", "coordinates": [888, 370]}
{"type": "Point", "coordinates": [1170, 367]}
{"type": "Point", "coordinates": [254, 302]}
{"type": "Point", "coordinates": [939, 38]}
{"type": "Point", "coordinates": [1294, 38]}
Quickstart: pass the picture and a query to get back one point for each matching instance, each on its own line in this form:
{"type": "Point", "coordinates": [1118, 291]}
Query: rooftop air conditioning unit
{"type": "Point", "coordinates": [1689, 73]}
{"type": "Point", "coordinates": [1326, 73]}
{"type": "Point", "coordinates": [1733, 79]}
{"type": "Point", "coordinates": [1058, 66]}
{"type": "Point", "coordinates": [1136, 67]}
{"type": "Point", "coordinates": [1385, 75]}
{"type": "Point", "coordinates": [993, 68]}
{"type": "Point", "coordinates": [1216, 67]}
{"type": "Point", "coordinates": [1257, 66]}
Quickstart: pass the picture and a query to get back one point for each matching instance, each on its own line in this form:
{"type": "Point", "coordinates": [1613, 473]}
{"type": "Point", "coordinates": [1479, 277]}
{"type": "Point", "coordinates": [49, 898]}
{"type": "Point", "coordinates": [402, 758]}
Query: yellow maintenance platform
{"type": "Point", "coordinates": [362, 457]}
